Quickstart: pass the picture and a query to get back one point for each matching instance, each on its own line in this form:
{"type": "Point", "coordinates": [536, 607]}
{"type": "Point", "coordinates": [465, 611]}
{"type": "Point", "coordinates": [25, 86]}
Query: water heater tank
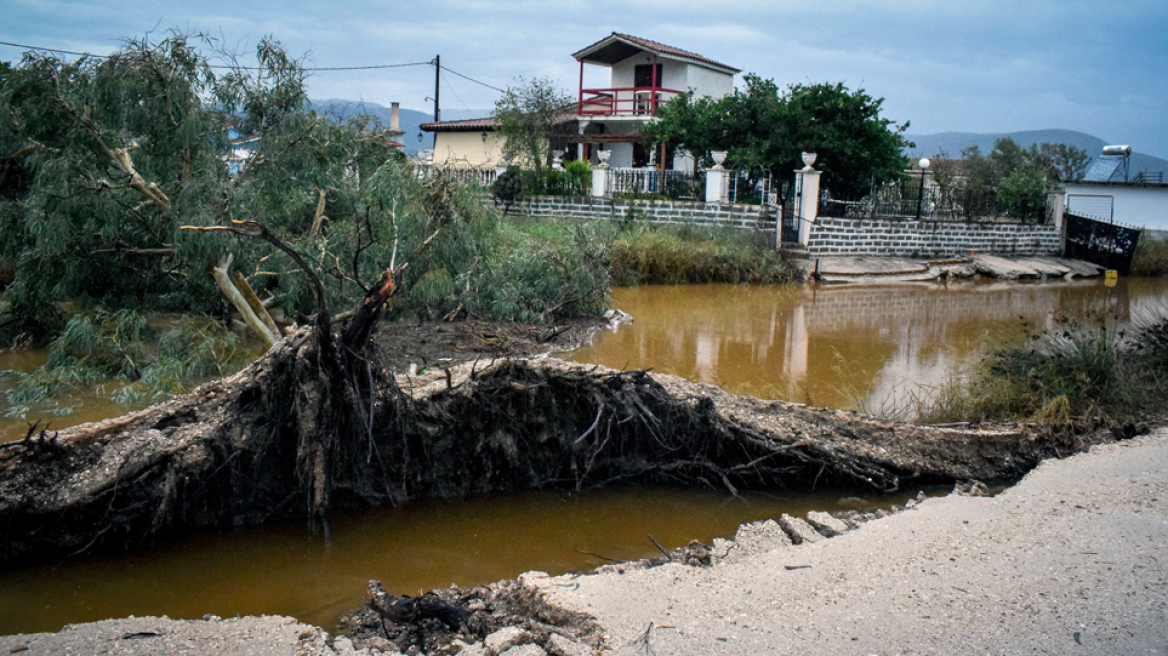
{"type": "Point", "coordinates": [1117, 151]}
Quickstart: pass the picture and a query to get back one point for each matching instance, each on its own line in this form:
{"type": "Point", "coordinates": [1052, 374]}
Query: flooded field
{"type": "Point", "coordinates": [843, 347]}
{"type": "Point", "coordinates": [878, 349]}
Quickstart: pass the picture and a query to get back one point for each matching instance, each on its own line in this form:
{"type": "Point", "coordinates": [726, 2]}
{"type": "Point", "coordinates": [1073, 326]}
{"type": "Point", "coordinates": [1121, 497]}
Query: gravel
{"type": "Point", "coordinates": [1072, 560]}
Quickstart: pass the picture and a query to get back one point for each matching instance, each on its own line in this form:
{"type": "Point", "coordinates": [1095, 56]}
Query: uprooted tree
{"type": "Point", "coordinates": [318, 423]}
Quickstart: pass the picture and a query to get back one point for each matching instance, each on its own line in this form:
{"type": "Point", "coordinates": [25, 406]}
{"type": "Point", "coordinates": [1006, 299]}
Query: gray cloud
{"type": "Point", "coordinates": [995, 65]}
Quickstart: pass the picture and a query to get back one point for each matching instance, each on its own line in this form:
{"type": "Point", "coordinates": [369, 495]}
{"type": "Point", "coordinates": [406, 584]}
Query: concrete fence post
{"type": "Point", "coordinates": [715, 184]}
{"type": "Point", "coordinates": [806, 201]}
{"type": "Point", "coordinates": [600, 181]}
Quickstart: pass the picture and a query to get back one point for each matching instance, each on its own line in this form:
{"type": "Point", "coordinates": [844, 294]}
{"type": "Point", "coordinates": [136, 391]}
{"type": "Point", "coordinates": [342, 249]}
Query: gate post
{"type": "Point", "coordinates": [806, 201]}
{"type": "Point", "coordinates": [600, 180]}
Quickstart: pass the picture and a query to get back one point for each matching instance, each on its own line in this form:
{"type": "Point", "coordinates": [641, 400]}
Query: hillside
{"type": "Point", "coordinates": [929, 145]}
{"type": "Point", "coordinates": [340, 110]}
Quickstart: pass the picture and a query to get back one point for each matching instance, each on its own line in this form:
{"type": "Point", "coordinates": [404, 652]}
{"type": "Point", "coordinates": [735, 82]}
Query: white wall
{"type": "Point", "coordinates": [467, 149]}
{"type": "Point", "coordinates": [1139, 206]}
{"type": "Point", "coordinates": [707, 82]}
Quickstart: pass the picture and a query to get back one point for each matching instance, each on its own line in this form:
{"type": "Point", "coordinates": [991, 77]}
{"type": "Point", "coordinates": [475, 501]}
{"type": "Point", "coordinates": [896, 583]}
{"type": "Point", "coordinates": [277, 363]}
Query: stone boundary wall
{"type": "Point", "coordinates": [911, 238]}
{"type": "Point", "coordinates": [828, 236]}
{"type": "Point", "coordinates": [751, 217]}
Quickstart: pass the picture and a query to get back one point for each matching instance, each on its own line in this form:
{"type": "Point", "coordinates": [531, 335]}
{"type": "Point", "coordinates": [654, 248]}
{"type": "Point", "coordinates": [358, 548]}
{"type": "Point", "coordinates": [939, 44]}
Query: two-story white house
{"type": "Point", "coordinates": [644, 75]}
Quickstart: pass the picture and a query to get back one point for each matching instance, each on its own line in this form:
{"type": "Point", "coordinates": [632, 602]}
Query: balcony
{"type": "Point", "coordinates": [623, 101]}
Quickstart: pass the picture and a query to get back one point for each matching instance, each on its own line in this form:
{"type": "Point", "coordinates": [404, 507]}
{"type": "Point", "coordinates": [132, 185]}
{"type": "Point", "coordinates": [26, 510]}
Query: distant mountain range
{"type": "Point", "coordinates": [410, 119]}
{"type": "Point", "coordinates": [927, 145]}
{"type": "Point", "coordinates": [930, 145]}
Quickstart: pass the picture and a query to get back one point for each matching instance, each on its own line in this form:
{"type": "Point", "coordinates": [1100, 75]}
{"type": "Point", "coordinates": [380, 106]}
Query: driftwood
{"type": "Point", "coordinates": [410, 610]}
{"type": "Point", "coordinates": [238, 451]}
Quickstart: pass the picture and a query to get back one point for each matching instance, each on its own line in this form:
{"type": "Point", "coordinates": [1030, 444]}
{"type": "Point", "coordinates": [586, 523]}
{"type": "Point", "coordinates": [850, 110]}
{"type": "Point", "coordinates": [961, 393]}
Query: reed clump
{"type": "Point", "coordinates": [663, 255]}
{"type": "Point", "coordinates": [1151, 257]}
{"type": "Point", "coordinates": [1077, 375]}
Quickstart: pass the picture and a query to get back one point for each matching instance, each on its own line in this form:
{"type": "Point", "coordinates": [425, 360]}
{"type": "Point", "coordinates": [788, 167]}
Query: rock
{"type": "Point", "coordinates": [798, 530]}
{"type": "Point", "coordinates": [971, 489]}
{"type": "Point", "coordinates": [506, 638]}
{"type": "Point", "coordinates": [475, 649]}
{"type": "Point", "coordinates": [827, 525]}
{"type": "Point", "coordinates": [525, 650]}
{"type": "Point", "coordinates": [379, 645]}
{"type": "Point", "coordinates": [558, 645]}
{"type": "Point", "coordinates": [754, 538]}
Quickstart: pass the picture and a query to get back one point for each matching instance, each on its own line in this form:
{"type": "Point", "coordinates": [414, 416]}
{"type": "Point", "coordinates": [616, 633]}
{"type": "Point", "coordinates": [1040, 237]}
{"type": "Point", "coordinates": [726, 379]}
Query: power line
{"type": "Point", "coordinates": [67, 52]}
{"type": "Point", "coordinates": [307, 69]}
{"type": "Point", "coordinates": [473, 80]}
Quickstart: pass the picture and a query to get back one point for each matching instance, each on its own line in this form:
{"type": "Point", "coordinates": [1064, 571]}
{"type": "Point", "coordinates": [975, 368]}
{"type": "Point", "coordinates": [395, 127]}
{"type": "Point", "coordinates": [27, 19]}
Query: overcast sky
{"type": "Point", "coordinates": [1099, 67]}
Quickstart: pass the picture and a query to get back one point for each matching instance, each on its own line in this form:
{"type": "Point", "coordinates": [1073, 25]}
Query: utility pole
{"type": "Point", "coordinates": [437, 86]}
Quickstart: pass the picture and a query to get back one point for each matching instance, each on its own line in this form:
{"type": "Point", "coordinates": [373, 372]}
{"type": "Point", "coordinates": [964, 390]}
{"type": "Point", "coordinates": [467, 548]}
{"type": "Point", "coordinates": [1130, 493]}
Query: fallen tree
{"type": "Point", "coordinates": [302, 431]}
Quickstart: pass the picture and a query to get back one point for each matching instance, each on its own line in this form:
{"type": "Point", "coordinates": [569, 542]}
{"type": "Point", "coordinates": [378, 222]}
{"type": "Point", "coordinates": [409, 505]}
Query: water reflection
{"type": "Point", "coordinates": [874, 348]}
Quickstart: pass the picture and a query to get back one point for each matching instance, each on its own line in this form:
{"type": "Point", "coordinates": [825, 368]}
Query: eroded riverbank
{"type": "Point", "coordinates": [1069, 560]}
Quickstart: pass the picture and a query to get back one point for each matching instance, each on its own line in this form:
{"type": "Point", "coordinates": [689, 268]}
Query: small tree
{"type": "Point", "coordinates": [765, 131]}
{"type": "Point", "coordinates": [532, 118]}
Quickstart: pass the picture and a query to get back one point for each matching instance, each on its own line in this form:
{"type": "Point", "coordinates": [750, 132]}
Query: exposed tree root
{"type": "Point", "coordinates": [248, 449]}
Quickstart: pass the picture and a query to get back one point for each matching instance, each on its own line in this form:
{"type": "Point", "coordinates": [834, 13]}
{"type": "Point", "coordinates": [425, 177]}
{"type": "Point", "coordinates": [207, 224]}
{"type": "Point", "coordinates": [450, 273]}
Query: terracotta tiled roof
{"type": "Point", "coordinates": [654, 46]}
{"type": "Point", "coordinates": [468, 125]}
{"type": "Point", "coordinates": [481, 124]}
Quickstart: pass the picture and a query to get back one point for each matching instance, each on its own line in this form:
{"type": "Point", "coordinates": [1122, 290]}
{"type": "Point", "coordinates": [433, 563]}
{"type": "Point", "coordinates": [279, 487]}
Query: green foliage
{"type": "Point", "coordinates": [765, 132]}
{"type": "Point", "coordinates": [543, 269]}
{"type": "Point", "coordinates": [533, 120]}
{"type": "Point", "coordinates": [516, 183]}
{"type": "Point", "coordinates": [1021, 176]}
{"type": "Point", "coordinates": [1072, 376]}
{"type": "Point", "coordinates": [117, 349]}
{"type": "Point", "coordinates": [1151, 257]}
{"type": "Point", "coordinates": [643, 254]}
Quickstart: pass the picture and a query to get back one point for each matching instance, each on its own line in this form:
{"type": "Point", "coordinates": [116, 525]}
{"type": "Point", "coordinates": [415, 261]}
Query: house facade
{"type": "Point", "coordinates": [1139, 204]}
{"type": "Point", "coordinates": [643, 75]}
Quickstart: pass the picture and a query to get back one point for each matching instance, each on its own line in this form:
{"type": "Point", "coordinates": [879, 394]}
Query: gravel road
{"type": "Point", "coordinates": [1073, 560]}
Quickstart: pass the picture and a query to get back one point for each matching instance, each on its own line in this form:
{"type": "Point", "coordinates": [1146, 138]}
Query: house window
{"type": "Point", "coordinates": [643, 75]}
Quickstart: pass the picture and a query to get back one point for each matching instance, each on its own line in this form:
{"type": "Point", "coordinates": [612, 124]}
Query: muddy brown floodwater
{"type": "Point", "coordinates": [283, 570]}
{"type": "Point", "coordinates": [882, 350]}
{"type": "Point", "coordinates": [841, 347]}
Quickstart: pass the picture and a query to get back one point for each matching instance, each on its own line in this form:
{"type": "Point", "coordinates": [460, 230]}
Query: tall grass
{"type": "Point", "coordinates": [644, 254]}
{"type": "Point", "coordinates": [1151, 257]}
{"type": "Point", "coordinates": [1078, 374]}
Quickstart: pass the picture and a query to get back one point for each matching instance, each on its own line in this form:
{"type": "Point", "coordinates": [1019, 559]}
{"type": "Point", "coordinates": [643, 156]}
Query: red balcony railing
{"type": "Point", "coordinates": [624, 101]}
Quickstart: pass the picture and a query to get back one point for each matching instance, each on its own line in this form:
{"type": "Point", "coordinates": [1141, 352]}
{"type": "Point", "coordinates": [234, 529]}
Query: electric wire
{"type": "Point", "coordinates": [309, 69]}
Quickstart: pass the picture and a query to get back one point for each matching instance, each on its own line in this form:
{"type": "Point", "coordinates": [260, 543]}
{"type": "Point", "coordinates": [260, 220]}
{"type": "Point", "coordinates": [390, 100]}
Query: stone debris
{"type": "Point", "coordinates": [971, 489]}
{"type": "Point", "coordinates": [799, 530]}
{"type": "Point", "coordinates": [506, 638]}
{"type": "Point", "coordinates": [524, 650]}
{"type": "Point", "coordinates": [828, 526]}
{"type": "Point", "coordinates": [558, 645]}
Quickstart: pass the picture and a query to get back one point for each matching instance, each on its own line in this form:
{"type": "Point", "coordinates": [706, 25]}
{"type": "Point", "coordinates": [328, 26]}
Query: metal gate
{"type": "Point", "coordinates": [1106, 244]}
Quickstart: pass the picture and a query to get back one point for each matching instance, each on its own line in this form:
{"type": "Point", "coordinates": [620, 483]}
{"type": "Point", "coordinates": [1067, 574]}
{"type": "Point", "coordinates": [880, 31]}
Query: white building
{"type": "Point", "coordinates": [643, 75]}
{"type": "Point", "coordinates": [1138, 204]}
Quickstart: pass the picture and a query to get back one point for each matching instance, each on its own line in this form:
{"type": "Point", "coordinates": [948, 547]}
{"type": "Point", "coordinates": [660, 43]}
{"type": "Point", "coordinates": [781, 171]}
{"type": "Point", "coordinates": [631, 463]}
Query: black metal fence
{"type": "Point", "coordinates": [955, 203]}
{"type": "Point", "coordinates": [1106, 244]}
